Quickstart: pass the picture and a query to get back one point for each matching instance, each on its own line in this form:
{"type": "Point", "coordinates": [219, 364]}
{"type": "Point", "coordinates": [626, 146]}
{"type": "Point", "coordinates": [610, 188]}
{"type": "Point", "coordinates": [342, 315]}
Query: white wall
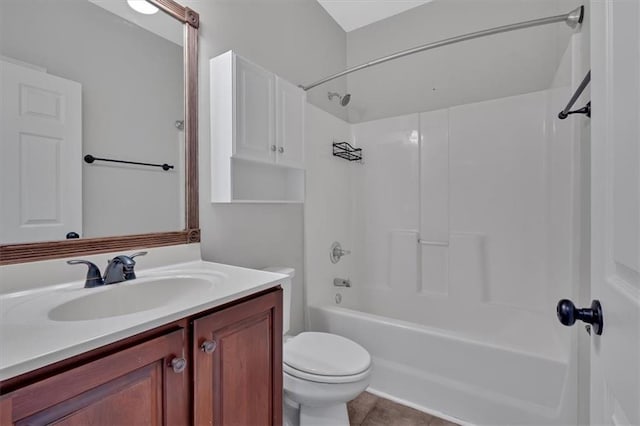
{"type": "Point", "coordinates": [299, 41]}
{"type": "Point", "coordinates": [296, 39]}
{"type": "Point", "coordinates": [502, 65]}
{"type": "Point", "coordinates": [328, 208]}
{"type": "Point", "coordinates": [131, 96]}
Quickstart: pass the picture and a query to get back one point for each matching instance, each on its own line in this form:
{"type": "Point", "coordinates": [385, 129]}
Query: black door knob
{"type": "Point", "coordinates": [568, 314]}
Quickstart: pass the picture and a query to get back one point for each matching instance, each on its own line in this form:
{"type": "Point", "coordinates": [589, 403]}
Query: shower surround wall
{"type": "Point", "coordinates": [327, 208]}
{"type": "Point", "coordinates": [479, 209]}
{"type": "Point", "coordinates": [463, 224]}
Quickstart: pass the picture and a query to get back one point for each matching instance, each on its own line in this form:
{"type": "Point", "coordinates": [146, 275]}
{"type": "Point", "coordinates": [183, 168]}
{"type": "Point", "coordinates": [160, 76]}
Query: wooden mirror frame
{"type": "Point", "coordinates": [30, 252]}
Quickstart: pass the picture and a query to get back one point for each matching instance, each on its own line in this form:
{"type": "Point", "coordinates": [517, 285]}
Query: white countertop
{"type": "Point", "coordinates": [30, 339]}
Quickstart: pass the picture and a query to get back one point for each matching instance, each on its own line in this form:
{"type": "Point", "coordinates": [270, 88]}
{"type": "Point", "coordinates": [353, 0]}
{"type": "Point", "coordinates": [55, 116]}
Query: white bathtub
{"type": "Point", "coordinates": [474, 381]}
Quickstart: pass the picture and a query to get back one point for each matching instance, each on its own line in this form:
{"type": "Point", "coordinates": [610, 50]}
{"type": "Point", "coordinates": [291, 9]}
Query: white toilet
{"type": "Point", "coordinates": [322, 371]}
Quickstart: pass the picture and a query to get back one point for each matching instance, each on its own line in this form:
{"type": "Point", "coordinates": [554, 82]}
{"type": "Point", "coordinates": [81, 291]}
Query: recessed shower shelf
{"type": "Point", "coordinates": [346, 151]}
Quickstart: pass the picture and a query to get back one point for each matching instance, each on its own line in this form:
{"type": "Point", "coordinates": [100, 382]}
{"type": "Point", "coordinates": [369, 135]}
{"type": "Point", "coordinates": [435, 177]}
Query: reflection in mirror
{"type": "Point", "coordinates": [89, 77]}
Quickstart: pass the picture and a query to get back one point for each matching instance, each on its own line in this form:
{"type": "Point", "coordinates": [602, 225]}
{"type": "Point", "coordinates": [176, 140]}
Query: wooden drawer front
{"type": "Point", "coordinates": [134, 386]}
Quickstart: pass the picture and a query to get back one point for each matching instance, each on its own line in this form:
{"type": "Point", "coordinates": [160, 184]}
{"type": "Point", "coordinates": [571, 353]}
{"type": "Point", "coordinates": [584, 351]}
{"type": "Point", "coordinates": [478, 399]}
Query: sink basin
{"type": "Point", "coordinates": [131, 297]}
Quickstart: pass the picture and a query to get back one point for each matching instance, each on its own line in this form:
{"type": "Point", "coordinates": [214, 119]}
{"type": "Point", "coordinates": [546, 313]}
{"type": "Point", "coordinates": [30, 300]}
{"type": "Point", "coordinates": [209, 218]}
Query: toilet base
{"type": "Point", "coordinates": [330, 415]}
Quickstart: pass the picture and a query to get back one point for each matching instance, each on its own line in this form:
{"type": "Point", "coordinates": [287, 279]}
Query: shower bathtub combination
{"type": "Point", "coordinates": [463, 225]}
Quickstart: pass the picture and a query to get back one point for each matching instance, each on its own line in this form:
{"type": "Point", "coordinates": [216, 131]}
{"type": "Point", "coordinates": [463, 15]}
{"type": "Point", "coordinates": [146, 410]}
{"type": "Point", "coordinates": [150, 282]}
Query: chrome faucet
{"type": "Point", "coordinates": [120, 268]}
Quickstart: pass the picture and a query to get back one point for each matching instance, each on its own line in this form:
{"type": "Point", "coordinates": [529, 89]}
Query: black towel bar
{"type": "Point", "coordinates": [90, 159]}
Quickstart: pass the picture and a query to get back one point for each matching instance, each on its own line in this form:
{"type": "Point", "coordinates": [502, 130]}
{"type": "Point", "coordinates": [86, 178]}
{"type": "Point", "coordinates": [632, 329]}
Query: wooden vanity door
{"type": "Point", "coordinates": [136, 386]}
{"type": "Point", "coordinates": [238, 364]}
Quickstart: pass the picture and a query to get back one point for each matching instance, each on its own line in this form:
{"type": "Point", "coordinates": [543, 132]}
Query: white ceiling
{"type": "Point", "coordinates": [352, 14]}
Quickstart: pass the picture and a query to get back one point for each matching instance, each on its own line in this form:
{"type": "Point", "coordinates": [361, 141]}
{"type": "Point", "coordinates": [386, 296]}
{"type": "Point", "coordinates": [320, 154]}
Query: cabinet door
{"type": "Point", "coordinates": [238, 378]}
{"type": "Point", "coordinates": [136, 386]}
{"type": "Point", "coordinates": [290, 103]}
{"type": "Point", "coordinates": [255, 116]}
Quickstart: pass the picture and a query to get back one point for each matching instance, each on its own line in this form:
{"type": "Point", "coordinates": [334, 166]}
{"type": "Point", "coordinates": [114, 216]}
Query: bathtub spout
{"type": "Point", "coordinates": [341, 282]}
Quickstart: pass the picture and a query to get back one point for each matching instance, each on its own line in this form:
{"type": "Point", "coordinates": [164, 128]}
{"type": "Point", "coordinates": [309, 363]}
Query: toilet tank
{"type": "Point", "coordinates": [286, 290]}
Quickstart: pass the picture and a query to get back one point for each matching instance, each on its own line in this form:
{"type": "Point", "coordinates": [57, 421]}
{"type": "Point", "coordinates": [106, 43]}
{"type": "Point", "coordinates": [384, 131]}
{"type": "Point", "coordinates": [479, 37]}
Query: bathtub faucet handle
{"type": "Point", "coordinates": [337, 252]}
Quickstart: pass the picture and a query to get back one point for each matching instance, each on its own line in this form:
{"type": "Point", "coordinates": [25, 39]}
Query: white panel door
{"type": "Point", "coordinates": [290, 104]}
{"type": "Point", "coordinates": [255, 117]}
{"type": "Point", "coordinates": [40, 156]}
{"type": "Point", "coordinates": [615, 252]}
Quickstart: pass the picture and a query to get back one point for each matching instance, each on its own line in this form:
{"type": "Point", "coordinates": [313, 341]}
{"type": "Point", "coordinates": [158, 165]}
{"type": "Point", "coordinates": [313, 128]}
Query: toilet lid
{"type": "Point", "coordinates": [326, 354]}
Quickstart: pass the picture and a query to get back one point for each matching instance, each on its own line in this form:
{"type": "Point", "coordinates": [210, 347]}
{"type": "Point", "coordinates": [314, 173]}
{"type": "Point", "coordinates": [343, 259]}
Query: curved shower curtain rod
{"type": "Point", "coordinates": [572, 19]}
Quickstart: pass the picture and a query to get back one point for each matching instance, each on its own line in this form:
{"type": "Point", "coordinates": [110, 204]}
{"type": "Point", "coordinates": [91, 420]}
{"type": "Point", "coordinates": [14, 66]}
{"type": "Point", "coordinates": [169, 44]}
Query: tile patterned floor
{"type": "Point", "coordinates": [371, 410]}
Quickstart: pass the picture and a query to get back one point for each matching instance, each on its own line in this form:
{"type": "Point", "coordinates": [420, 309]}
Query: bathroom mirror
{"type": "Point", "coordinates": [98, 148]}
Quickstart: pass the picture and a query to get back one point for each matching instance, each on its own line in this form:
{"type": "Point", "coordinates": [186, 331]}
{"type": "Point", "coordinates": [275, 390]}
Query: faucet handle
{"type": "Point", "coordinates": [336, 252]}
{"type": "Point", "coordinates": [130, 273]}
{"type": "Point", "coordinates": [94, 277]}
{"type": "Point", "coordinates": [140, 253]}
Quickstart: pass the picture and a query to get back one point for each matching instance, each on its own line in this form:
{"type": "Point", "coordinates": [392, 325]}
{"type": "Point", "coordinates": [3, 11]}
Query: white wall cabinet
{"type": "Point", "coordinates": [255, 112]}
{"type": "Point", "coordinates": [290, 102]}
{"type": "Point", "coordinates": [257, 133]}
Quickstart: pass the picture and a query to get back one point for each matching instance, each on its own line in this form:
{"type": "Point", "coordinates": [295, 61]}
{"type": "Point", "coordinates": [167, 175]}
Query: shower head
{"type": "Point", "coordinates": [344, 100]}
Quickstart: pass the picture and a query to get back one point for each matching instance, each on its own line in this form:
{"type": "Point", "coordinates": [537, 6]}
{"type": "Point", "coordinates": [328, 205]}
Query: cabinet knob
{"type": "Point", "coordinates": [178, 365]}
{"type": "Point", "coordinates": [281, 150]}
{"type": "Point", "coordinates": [208, 346]}
{"type": "Point", "coordinates": [273, 147]}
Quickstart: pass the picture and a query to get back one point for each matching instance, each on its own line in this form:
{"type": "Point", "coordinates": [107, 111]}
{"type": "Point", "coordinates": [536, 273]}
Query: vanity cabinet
{"type": "Point", "coordinates": [238, 364]}
{"type": "Point", "coordinates": [137, 385]}
{"type": "Point", "coordinates": [220, 367]}
{"type": "Point", "coordinates": [257, 133]}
